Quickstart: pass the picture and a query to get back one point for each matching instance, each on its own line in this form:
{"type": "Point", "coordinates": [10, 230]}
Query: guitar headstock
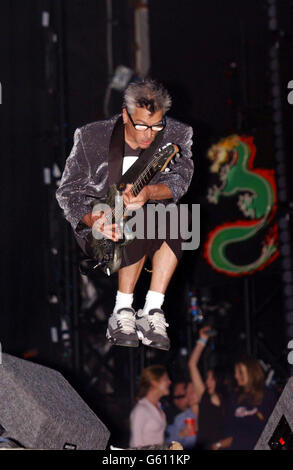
{"type": "Point", "coordinates": [164, 156]}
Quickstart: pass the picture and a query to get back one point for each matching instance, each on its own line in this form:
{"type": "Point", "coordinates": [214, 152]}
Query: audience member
{"type": "Point", "coordinates": [147, 419]}
{"type": "Point", "coordinates": [176, 402]}
{"type": "Point", "coordinates": [211, 395]}
{"type": "Point", "coordinates": [249, 408]}
{"type": "Point", "coordinates": [184, 428]}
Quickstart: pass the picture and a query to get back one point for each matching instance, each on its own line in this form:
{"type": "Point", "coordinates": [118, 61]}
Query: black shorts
{"type": "Point", "coordinates": [139, 247]}
{"type": "Point", "coordinates": [145, 246]}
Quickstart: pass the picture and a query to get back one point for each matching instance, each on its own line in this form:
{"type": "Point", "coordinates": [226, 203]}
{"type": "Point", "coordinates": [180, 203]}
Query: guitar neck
{"type": "Point", "coordinates": [144, 178]}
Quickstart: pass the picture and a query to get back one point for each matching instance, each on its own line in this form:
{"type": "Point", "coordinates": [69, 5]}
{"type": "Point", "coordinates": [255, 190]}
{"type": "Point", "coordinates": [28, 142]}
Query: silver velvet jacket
{"type": "Point", "coordinates": [86, 177]}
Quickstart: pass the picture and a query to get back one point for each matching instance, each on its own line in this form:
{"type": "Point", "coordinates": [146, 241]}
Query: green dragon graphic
{"type": "Point", "coordinates": [256, 189]}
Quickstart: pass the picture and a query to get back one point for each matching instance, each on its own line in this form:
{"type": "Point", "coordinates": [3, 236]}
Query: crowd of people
{"type": "Point", "coordinates": [204, 413]}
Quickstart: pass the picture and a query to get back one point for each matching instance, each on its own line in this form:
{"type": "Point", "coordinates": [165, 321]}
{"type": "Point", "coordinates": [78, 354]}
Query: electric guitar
{"type": "Point", "coordinates": [107, 254]}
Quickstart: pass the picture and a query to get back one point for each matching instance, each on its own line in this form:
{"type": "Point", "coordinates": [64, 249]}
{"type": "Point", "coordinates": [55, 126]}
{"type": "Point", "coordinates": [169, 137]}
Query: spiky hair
{"type": "Point", "coordinates": [147, 94]}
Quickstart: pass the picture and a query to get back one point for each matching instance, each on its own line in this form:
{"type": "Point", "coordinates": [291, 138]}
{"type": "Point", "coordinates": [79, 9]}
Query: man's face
{"type": "Point", "coordinates": [179, 396]}
{"type": "Point", "coordinates": [142, 139]}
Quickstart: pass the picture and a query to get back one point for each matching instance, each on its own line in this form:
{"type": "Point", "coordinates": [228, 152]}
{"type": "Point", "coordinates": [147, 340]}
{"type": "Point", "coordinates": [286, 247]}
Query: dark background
{"type": "Point", "coordinates": [213, 57]}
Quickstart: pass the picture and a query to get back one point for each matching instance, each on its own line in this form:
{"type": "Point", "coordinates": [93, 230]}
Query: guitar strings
{"type": "Point", "coordinates": [136, 186]}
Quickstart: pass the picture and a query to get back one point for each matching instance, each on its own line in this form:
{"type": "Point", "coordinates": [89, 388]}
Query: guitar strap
{"type": "Point", "coordinates": [116, 154]}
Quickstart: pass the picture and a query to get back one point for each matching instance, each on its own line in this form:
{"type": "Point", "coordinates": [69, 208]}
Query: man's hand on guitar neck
{"type": "Point", "coordinates": [154, 192]}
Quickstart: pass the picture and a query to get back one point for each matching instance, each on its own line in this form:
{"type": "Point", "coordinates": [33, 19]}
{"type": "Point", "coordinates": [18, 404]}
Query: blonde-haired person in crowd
{"type": "Point", "coordinates": [147, 419]}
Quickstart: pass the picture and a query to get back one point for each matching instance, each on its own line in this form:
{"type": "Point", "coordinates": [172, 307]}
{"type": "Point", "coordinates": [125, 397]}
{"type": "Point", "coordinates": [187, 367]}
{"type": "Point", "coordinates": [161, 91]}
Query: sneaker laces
{"type": "Point", "coordinates": [126, 321]}
{"type": "Point", "coordinates": [158, 323]}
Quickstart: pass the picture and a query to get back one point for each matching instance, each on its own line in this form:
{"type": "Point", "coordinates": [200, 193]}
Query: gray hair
{"type": "Point", "coordinates": [147, 94]}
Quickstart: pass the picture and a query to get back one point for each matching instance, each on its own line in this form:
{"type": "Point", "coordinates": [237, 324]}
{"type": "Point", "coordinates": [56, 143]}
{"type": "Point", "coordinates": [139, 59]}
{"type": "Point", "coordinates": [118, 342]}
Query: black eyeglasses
{"type": "Point", "coordinates": [144, 127]}
{"type": "Point", "coordinates": [178, 397]}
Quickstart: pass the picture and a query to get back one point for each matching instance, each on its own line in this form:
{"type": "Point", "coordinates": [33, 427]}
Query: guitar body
{"type": "Point", "coordinates": [107, 253]}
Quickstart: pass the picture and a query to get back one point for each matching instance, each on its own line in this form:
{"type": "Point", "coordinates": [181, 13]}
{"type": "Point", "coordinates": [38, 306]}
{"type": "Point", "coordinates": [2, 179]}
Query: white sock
{"type": "Point", "coordinates": [123, 301]}
{"type": "Point", "coordinates": [153, 300]}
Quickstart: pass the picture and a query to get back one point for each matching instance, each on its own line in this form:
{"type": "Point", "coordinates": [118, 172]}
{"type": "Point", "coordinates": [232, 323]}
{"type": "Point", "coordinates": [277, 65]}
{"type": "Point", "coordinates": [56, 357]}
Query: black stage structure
{"type": "Point", "coordinates": [228, 73]}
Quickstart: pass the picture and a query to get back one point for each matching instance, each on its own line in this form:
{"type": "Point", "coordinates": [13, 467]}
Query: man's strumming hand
{"type": "Point", "coordinates": [101, 224]}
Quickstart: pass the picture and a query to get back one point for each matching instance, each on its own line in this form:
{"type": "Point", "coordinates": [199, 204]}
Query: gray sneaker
{"type": "Point", "coordinates": [151, 329]}
{"type": "Point", "coordinates": [121, 329]}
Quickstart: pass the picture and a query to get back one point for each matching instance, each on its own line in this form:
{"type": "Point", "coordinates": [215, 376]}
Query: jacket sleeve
{"type": "Point", "coordinates": [179, 177]}
{"type": "Point", "coordinates": [75, 184]}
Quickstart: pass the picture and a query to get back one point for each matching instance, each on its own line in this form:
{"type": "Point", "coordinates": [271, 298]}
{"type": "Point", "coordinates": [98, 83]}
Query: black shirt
{"type": "Point", "coordinates": [245, 422]}
{"type": "Point", "coordinates": [210, 422]}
